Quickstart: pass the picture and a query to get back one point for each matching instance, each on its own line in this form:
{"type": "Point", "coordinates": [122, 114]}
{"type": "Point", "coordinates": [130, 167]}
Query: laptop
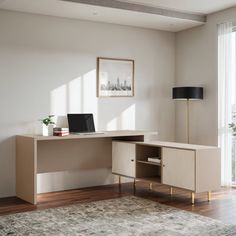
{"type": "Point", "coordinates": [81, 124]}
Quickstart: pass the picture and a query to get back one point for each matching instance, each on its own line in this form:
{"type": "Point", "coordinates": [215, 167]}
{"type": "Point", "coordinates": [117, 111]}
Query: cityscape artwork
{"type": "Point", "coordinates": [115, 77]}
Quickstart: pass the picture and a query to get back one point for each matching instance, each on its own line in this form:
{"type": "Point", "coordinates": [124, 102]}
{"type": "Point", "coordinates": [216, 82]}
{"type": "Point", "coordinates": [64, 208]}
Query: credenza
{"type": "Point", "coordinates": [191, 167]}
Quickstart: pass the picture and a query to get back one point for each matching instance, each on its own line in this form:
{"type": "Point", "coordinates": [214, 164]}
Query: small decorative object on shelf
{"type": "Point", "coordinates": [57, 131]}
{"type": "Point", "coordinates": [154, 159]}
{"type": "Point", "coordinates": [48, 125]}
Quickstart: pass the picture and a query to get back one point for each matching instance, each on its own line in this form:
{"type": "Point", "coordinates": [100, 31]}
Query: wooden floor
{"type": "Point", "coordinates": [222, 206]}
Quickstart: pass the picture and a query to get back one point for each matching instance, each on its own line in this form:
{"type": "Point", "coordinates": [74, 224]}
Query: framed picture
{"type": "Point", "coordinates": [115, 77]}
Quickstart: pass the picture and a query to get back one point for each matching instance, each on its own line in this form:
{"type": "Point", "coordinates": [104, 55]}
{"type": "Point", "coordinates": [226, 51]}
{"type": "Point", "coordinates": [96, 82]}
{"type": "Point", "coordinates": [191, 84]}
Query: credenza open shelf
{"type": "Point", "coordinates": [145, 169]}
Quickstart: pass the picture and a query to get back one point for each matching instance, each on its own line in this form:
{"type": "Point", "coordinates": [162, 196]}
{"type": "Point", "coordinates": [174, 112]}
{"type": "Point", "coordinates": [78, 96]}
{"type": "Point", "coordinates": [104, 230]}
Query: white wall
{"type": "Point", "coordinates": [196, 64]}
{"type": "Point", "coordinates": [48, 64]}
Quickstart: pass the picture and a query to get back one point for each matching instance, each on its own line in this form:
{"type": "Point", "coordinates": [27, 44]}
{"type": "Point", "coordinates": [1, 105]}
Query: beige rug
{"type": "Point", "coordinates": [122, 216]}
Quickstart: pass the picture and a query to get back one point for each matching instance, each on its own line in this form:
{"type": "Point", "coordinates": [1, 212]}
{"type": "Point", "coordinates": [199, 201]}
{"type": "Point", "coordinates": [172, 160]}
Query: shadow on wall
{"type": "Point", "coordinates": [79, 96]}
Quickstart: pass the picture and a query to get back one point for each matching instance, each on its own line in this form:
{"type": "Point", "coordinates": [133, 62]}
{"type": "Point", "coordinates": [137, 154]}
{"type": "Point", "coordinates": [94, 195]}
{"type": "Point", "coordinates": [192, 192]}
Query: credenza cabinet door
{"type": "Point", "coordinates": [178, 168]}
{"type": "Point", "coordinates": [123, 158]}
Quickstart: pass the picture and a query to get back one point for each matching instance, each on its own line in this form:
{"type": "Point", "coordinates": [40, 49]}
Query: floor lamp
{"type": "Point", "coordinates": [187, 93]}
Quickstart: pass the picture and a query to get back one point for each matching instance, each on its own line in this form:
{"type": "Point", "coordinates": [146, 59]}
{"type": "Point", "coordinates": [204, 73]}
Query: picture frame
{"type": "Point", "coordinates": [115, 77]}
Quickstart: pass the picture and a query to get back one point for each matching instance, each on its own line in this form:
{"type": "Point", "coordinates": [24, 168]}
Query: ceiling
{"type": "Point", "coordinates": [196, 6]}
{"type": "Point", "coordinates": [169, 15]}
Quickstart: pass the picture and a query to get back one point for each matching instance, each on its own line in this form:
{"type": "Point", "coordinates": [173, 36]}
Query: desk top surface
{"type": "Point", "coordinates": [175, 145]}
{"type": "Point", "coordinates": [103, 134]}
{"type": "Point", "coordinates": [122, 133]}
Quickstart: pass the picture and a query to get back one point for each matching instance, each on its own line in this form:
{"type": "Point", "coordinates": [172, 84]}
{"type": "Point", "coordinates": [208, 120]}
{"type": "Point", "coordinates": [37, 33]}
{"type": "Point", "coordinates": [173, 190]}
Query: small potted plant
{"type": "Point", "coordinates": [48, 125]}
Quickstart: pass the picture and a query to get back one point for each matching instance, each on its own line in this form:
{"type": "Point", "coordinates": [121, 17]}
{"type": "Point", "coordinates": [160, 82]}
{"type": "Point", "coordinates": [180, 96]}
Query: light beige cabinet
{"type": "Point", "coordinates": [178, 168]}
{"type": "Point", "coordinates": [123, 159]}
{"type": "Point", "coordinates": [192, 167]}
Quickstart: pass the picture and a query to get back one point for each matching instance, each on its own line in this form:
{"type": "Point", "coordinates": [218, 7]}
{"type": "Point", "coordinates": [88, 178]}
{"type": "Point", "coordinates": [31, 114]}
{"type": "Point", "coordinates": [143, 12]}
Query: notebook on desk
{"type": "Point", "coordinates": [81, 124]}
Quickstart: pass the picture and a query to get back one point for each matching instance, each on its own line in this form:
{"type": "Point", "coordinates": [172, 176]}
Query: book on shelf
{"type": "Point", "coordinates": [154, 159]}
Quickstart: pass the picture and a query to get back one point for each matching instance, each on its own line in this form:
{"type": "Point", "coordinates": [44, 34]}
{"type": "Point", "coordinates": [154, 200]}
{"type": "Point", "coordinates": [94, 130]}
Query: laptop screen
{"type": "Point", "coordinates": [81, 123]}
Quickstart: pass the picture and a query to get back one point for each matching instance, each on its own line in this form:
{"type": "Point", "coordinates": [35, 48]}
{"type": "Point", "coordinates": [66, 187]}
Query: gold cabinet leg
{"type": "Point", "coordinates": [134, 185]}
{"type": "Point", "coordinates": [150, 186]}
{"type": "Point", "coordinates": [119, 182]}
{"type": "Point", "coordinates": [171, 191]}
{"type": "Point", "coordinates": [209, 196]}
{"type": "Point", "coordinates": [192, 198]}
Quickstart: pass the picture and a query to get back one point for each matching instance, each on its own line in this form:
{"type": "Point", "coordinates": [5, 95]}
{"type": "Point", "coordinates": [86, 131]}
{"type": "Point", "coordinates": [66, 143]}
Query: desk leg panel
{"type": "Point", "coordinates": [26, 169]}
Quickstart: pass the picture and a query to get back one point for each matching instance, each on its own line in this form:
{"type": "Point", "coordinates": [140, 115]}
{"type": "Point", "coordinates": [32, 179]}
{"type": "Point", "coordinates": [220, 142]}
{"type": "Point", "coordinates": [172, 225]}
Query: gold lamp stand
{"type": "Point", "coordinates": [187, 118]}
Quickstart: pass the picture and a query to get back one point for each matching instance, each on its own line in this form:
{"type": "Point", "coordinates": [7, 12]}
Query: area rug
{"type": "Point", "coordinates": [121, 216]}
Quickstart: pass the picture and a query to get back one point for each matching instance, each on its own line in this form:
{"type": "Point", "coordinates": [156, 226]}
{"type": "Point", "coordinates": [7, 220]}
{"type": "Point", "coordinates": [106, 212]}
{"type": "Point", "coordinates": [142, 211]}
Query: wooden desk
{"type": "Point", "coordinates": [40, 154]}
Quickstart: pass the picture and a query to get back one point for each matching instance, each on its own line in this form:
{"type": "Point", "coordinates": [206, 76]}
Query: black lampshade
{"type": "Point", "coordinates": [187, 93]}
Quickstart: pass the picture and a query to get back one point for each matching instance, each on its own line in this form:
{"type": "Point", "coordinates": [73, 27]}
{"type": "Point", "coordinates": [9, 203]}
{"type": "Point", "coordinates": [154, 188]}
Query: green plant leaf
{"type": "Point", "coordinates": [47, 120]}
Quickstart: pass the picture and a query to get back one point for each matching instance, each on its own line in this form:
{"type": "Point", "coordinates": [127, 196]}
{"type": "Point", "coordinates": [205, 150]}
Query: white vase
{"type": "Point", "coordinates": [48, 129]}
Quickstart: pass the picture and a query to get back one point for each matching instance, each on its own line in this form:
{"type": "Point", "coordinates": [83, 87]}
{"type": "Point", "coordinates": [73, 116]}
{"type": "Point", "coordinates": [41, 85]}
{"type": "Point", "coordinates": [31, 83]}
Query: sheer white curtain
{"type": "Point", "coordinates": [226, 97]}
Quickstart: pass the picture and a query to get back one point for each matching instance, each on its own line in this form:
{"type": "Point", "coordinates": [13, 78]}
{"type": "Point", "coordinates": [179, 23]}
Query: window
{"type": "Point", "coordinates": [227, 100]}
{"type": "Point", "coordinates": [234, 106]}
